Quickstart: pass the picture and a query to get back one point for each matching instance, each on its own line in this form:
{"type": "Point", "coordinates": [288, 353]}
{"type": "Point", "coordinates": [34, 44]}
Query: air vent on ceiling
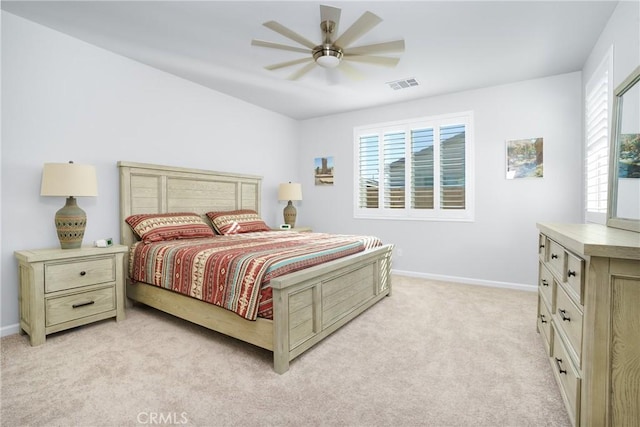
{"type": "Point", "coordinates": [403, 84]}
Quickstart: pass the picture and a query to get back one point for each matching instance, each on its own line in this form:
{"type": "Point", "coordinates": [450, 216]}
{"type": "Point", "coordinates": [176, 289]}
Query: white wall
{"type": "Point", "coordinates": [623, 33]}
{"type": "Point", "coordinates": [63, 99]}
{"type": "Point", "coordinates": [501, 245]}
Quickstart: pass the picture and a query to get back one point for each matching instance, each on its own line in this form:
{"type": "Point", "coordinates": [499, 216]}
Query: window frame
{"type": "Point", "coordinates": [407, 213]}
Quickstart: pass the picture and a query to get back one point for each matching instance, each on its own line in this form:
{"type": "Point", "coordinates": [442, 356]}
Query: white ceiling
{"type": "Point", "coordinates": [450, 45]}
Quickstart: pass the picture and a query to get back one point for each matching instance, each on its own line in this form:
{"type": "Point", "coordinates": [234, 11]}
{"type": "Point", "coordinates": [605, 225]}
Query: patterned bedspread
{"type": "Point", "coordinates": [234, 271]}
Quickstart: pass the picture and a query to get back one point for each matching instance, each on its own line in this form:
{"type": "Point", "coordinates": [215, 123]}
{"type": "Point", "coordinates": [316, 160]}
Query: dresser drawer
{"type": "Point", "coordinates": [544, 322]}
{"type": "Point", "coordinates": [556, 258]}
{"type": "Point", "coordinates": [567, 377]}
{"type": "Point", "coordinates": [546, 285]}
{"type": "Point", "coordinates": [568, 318]}
{"type": "Point", "coordinates": [542, 247]}
{"type": "Point", "coordinates": [70, 275]}
{"type": "Point", "coordinates": [75, 306]}
{"type": "Point", "coordinates": [575, 276]}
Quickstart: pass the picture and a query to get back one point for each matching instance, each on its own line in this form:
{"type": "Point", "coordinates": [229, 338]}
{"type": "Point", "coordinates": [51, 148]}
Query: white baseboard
{"type": "Point", "coordinates": [9, 330]}
{"type": "Point", "coordinates": [467, 281]}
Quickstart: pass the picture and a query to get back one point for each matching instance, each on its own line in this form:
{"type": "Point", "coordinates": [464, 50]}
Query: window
{"type": "Point", "coordinates": [597, 116]}
{"type": "Point", "coordinates": [417, 169]}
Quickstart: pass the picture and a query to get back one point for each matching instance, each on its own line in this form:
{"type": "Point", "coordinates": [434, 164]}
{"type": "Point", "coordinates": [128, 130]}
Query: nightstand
{"type": "Point", "coordinates": [65, 288]}
{"type": "Point", "coordinates": [298, 229]}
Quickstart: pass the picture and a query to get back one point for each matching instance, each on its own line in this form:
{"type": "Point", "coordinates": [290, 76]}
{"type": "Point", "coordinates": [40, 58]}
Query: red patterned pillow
{"type": "Point", "coordinates": [169, 226]}
{"type": "Point", "coordinates": [234, 222]}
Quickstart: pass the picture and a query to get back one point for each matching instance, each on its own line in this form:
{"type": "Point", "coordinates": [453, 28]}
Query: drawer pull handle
{"type": "Point", "coordinates": [554, 256]}
{"type": "Point", "coordinates": [542, 319]}
{"type": "Point", "coordinates": [82, 304]}
{"type": "Point", "coordinates": [563, 315]}
{"type": "Point", "coordinates": [571, 273]}
{"type": "Point", "coordinates": [83, 273]}
{"type": "Point", "coordinates": [544, 282]}
{"type": "Point", "coordinates": [558, 362]}
{"type": "Point", "coordinates": [541, 246]}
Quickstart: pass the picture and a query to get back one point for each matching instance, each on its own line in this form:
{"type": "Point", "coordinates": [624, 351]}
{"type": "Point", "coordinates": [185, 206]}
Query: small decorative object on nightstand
{"type": "Point", "coordinates": [61, 289]}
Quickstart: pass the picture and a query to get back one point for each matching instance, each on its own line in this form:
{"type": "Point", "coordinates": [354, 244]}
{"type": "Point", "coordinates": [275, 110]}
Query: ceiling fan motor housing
{"type": "Point", "coordinates": [327, 55]}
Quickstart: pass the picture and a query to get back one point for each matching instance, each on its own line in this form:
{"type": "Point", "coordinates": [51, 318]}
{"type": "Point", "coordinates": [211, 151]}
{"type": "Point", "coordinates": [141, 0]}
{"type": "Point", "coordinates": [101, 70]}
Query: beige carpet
{"type": "Point", "coordinates": [433, 354]}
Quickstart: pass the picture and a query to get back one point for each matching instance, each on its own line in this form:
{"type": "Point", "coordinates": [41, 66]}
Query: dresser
{"type": "Point", "coordinates": [64, 288]}
{"type": "Point", "coordinates": [589, 319]}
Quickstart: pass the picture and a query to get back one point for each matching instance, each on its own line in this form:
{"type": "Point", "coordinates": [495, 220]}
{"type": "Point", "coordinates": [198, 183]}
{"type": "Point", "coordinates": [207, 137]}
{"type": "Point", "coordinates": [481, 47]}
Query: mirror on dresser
{"type": "Point", "coordinates": [624, 171]}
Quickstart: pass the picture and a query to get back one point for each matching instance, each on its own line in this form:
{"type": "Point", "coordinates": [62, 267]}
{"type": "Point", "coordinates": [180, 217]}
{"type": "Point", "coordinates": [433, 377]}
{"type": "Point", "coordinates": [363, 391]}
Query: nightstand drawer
{"type": "Point", "coordinates": [69, 275]}
{"type": "Point", "coordinates": [83, 304]}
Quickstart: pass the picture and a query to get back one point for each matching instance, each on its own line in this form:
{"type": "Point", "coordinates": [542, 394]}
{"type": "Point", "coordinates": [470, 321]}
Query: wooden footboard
{"type": "Point", "coordinates": [311, 304]}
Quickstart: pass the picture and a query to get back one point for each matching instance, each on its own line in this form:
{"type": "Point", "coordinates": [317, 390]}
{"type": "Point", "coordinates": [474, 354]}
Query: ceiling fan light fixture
{"type": "Point", "coordinates": [327, 55]}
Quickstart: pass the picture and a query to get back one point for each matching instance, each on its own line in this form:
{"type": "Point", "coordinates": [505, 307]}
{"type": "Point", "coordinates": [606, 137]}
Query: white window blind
{"type": "Point", "coordinates": [422, 166]}
{"type": "Point", "coordinates": [597, 120]}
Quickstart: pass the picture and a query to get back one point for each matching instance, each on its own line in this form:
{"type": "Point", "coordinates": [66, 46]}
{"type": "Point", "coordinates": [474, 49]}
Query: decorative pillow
{"type": "Point", "coordinates": [234, 222]}
{"type": "Point", "coordinates": [169, 226]}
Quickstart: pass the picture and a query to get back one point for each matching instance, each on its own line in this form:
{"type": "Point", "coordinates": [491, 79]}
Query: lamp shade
{"type": "Point", "coordinates": [68, 180]}
{"type": "Point", "coordinates": [290, 191]}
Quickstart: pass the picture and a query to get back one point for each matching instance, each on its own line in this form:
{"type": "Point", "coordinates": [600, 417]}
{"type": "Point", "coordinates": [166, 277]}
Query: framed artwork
{"type": "Point", "coordinates": [629, 156]}
{"type": "Point", "coordinates": [323, 170]}
{"type": "Point", "coordinates": [524, 158]}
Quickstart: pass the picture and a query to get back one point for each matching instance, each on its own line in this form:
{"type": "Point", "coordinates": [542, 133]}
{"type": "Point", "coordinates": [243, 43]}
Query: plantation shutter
{"type": "Point", "coordinates": [422, 168]}
{"type": "Point", "coordinates": [416, 169]}
{"type": "Point", "coordinates": [452, 167]}
{"type": "Point", "coordinates": [394, 170]}
{"type": "Point", "coordinates": [369, 170]}
{"type": "Point", "coordinates": [597, 141]}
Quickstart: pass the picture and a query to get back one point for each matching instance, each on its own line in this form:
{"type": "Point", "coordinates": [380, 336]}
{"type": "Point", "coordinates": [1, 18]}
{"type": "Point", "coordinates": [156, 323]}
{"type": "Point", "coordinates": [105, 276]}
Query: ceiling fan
{"type": "Point", "coordinates": [333, 52]}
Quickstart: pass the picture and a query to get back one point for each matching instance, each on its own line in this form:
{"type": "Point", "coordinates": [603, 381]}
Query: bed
{"type": "Point", "coordinates": [304, 305]}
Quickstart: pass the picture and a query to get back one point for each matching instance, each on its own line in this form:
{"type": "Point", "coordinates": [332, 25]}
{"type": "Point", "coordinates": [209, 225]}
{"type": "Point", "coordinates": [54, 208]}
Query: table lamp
{"type": "Point", "coordinates": [69, 180]}
{"type": "Point", "coordinates": [290, 191]}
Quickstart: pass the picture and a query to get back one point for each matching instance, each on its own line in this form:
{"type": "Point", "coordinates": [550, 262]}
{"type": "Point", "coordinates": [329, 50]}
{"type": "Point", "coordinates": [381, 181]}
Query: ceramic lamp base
{"type": "Point", "coordinates": [71, 222]}
{"type": "Point", "coordinates": [290, 214]}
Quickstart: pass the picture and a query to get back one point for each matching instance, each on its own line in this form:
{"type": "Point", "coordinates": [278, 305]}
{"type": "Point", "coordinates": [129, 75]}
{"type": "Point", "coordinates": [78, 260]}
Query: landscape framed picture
{"type": "Point", "coordinates": [524, 158]}
{"type": "Point", "coordinates": [629, 156]}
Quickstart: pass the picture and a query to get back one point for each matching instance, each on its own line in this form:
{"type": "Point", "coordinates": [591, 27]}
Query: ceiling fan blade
{"type": "Point", "coordinates": [288, 63]}
{"type": "Point", "coordinates": [365, 23]}
{"type": "Point", "coordinates": [302, 71]}
{"type": "Point", "coordinates": [394, 46]}
{"type": "Point", "coordinates": [350, 72]}
{"type": "Point", "coordinates": [376, 60]}
{"type": "Point", "coordinates": [272, 45]}
{"type": "Point", "coordinates": [328, 13]}
{"type": "Point", "coordinates": [290, 34]}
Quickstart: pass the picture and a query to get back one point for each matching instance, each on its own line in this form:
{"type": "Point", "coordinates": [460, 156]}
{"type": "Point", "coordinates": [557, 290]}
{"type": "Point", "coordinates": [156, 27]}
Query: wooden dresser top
{"type": "Point", "coordinates": [594, 239]}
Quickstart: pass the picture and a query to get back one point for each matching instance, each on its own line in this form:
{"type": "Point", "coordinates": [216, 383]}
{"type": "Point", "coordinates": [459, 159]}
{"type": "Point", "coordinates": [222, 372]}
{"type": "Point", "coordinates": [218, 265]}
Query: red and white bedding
{"type": "Point", "coordinates": [234, 271]}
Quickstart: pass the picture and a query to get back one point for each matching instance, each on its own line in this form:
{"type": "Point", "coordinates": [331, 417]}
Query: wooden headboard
{"type": "Point", "coordinates": [147, 188]}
